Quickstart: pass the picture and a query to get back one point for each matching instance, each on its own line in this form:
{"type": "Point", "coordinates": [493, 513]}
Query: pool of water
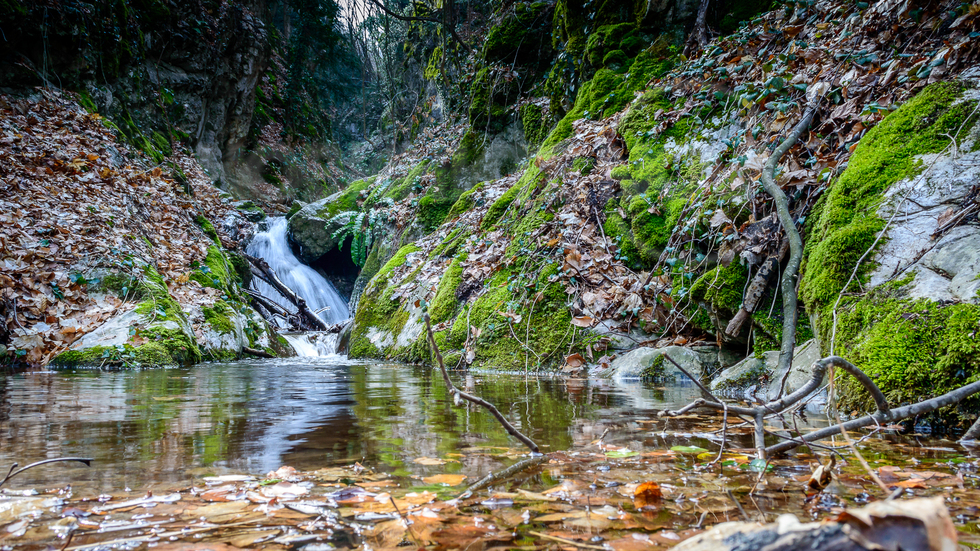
{"type": "Point", "coordinates": [167, 425]}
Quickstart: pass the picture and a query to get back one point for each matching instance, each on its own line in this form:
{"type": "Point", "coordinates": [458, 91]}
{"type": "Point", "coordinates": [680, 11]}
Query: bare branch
{"type": "Point", "coordinates": [457, 393]}
{"type": "Point", "coordinates": [445, 25]}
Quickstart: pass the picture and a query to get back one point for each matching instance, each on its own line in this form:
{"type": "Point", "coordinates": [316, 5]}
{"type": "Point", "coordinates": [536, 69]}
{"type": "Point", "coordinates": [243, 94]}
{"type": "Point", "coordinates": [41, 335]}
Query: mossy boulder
{"type": "Point", "coordinates": [156, 333]}
{"type": "Point", "coordinates": [909, 313]}
{"type": "Point", "coordinates": [312, 228]}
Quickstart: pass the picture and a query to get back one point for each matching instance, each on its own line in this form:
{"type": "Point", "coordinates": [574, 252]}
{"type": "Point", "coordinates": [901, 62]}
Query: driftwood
{"type": "Point", "coordinates": [882, 526]}
{"type": "Point", "coordinates": [756, 290]}
{"type": "Point", "coordinates": [459, 394]}
{"type": "Point", "coordinates": [309, 320]}
{"type": "Point", "coordinates": [257, 352]}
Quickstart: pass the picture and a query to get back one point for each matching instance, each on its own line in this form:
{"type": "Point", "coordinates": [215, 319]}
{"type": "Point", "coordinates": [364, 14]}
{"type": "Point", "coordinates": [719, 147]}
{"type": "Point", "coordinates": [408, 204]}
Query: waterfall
{"type": "Point", "coordinates": [313, 344]}
{"type": "Point", "coordinates": [320, 295]}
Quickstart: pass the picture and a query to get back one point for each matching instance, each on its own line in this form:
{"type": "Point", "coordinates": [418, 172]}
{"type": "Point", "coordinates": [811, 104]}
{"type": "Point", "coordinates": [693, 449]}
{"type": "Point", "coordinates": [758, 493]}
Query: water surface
{"type": "Point", "coordinates": [168, 425]}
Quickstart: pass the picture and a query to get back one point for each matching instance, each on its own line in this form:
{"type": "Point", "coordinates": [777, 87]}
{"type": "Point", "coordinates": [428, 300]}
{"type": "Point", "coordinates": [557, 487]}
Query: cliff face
{"type": "Point", "coordinates": [163, 72]}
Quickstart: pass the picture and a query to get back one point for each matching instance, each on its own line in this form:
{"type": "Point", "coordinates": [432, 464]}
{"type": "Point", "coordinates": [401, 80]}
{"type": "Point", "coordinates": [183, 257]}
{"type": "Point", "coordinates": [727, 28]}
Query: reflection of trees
{"type": "Point", "coordinates": [160, 425]}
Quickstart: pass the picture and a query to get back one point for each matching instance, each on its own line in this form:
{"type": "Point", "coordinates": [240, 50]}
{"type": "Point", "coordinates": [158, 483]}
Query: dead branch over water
{"type": "Point", "coordinates": [458, 394]}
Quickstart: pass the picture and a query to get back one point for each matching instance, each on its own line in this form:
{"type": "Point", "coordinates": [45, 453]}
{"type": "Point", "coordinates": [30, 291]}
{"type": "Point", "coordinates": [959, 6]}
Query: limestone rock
{"type": "Point", "coordinates": [312, 229]}
{"type": "Point", "coordinates": [646, 362]}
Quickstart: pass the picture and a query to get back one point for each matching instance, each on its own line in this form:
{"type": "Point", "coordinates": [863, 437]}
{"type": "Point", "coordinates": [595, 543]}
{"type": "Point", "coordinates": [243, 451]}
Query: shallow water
{"type": "Point", "coordinates": [165, 425]}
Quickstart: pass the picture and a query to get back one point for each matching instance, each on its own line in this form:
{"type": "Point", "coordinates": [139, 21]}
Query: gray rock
{"type": "Point", "coordinates": [312, 229]}
{"type": "Point", "coordinates": [748, 372]}
{"type": "Point", "coordinates": [637, 364]}
{"type": "Point", "coordinates": [945, 269]}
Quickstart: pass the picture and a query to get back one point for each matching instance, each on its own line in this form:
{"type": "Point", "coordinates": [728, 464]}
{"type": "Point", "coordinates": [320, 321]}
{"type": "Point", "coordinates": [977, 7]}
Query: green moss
{"type": "Point", "coordinates": [219, 316]}
{"type": "Point", "coordinates": [433, 69]}
{"type": "Point", "coordinates": [214, 272]}
{"type": "Point", "coordinates": [545, 329]}
{"type": "Point", "coordinates": [395, 261]}
{"type": "Point", "coordinates": [521, 37]}
{"type": "Point", "coordinates": [178, 346]}
{"type": "Point", "coordinates": [912, 349]}
{"type": "Point", "coordinates": [583, 165]}
{"type": "Point", "coordinates": [432, 212]}
{"type": "Point", "coordinates": [151, 354]}
{"type": "Point", "coordinates": [464, 203]}
{"type": "Point", "coordinates": [621, 172]}
{"type": "Point", "coordinates": [605, 39]}
{"type": "Point", "coordinates": [721, 287]}
{"type": "Point", "coordinates": [158, 304]}
{"type": "Point", "coordinates": [400, 188]}
{"type": "Point", "coordinates": [655, 371]}
{"type": "Point", "coordinates": [534, 123]}
{"type": "Point", "coordinates": [532, 176]}
{"type": "Point", "coordinates": [444, 304]}
{"type": "Point", "coordinates": [846, 221]}
{"type": "Point", "coordinates": [347, 200]}
{"type": "Point", "coordinates": [615, 59]}
{"type": "Point", "coordinates": [293, 209]}
{"type": "Point", "coordinates": [208, 228]}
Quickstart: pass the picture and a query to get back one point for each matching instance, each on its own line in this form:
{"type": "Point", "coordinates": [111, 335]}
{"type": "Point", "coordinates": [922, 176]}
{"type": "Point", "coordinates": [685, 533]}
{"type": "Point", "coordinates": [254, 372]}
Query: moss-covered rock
{"type": "Point", "coordinates": [910, 338]}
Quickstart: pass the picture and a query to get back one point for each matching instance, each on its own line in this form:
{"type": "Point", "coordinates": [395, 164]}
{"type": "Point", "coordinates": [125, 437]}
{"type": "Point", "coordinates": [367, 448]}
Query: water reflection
{"type": "Point", "coordinates": [164, 426]}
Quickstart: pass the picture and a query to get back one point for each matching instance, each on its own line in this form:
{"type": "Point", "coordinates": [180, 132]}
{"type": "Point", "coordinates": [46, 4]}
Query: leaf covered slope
{"type": "Point", "coordinates": [91, 231]}
{"type": "Point", "coordinates": [641, 216]}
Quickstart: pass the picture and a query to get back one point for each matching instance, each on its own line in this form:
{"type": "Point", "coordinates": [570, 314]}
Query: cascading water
{"type": "Point", "coordinates": [320, 295]}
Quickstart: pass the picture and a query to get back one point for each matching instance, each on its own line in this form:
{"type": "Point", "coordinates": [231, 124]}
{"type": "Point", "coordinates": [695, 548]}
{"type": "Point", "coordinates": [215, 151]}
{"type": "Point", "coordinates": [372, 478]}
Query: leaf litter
{"type": "Point", "coordinates": [616, 497]}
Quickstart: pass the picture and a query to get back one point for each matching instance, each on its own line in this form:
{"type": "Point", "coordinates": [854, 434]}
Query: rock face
{"type": "Point", "coordinates": [185, 69]}
{"type": "Point", "coordinates": [891, 274]}
{"type": "Point", "coordinates": [924, 239]}
{"type": "Point", "coordinates": [312, 229]}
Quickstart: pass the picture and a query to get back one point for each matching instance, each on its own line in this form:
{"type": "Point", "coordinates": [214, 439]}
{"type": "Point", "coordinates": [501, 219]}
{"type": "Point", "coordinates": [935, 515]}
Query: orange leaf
{"type": "Point", "coordinates": [912, 483]}
{"type": "Point", "coordinates": [574, 360]}
{"type": "Point", "coordinates": [582, 321]}
{"type": "Point", "coordinates": [647, 494]}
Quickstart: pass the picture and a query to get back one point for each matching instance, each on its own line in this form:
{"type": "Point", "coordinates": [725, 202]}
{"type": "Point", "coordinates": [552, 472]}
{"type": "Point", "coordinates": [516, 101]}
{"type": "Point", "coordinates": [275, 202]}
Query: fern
{"type": "Point", "coordinates": [361, 228]}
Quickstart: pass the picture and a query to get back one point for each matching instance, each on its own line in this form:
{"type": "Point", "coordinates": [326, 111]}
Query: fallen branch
{"type": "Point", "coordinates": [260, 268]}
{"type": "Point", "coordinates": [457, 393]}
{"type": "Point", "coordinates": [780, 405]}
{"type": "Point", "coordinates": [756, 290]}
{"type": "Point", "coordinates": [257, 352]}
{"type": "Point", "coordinates": [503, 474]}
{"type": "Point", "coordinates": [12, 473]}
{"type": "Point", "coordinates": [881, 418]}
{"type": "Point", "coordinates": [788, 283]}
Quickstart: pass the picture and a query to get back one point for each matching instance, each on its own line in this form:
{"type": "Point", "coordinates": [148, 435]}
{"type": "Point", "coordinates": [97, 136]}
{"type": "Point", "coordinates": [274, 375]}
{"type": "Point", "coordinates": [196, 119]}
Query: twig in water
{"type": "Point", "coordinates": [405, 520]}
{"type": "Point", "coordinates": [500, 475]}
{"type": "Point", "coordinates": [457, 393]}
{"type": "Point", "coordinates": [566, 542]}
{"type": "Point", "coordinates": [12, 473]}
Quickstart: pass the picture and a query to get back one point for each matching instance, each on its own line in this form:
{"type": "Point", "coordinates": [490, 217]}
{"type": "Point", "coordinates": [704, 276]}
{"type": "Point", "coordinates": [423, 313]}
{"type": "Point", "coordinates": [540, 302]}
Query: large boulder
{"type": "Point", "coordinates": [650, 363]}
{"type": "Point", "coordinates": [892, 260]}
{"type": "Point", "coordinates": [312, 229]}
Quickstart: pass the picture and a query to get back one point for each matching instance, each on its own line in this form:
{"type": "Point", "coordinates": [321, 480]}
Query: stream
{"type": "Point", "coordinates": [165, 428]}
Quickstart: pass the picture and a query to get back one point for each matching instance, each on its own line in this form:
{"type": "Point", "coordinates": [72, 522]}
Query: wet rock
{"type": "Point", "coordinates": [312, 229]}
{"type": "Point", "coordinates": [647, 362]}
{"type": "Point", "coordinates": [753, 372]}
